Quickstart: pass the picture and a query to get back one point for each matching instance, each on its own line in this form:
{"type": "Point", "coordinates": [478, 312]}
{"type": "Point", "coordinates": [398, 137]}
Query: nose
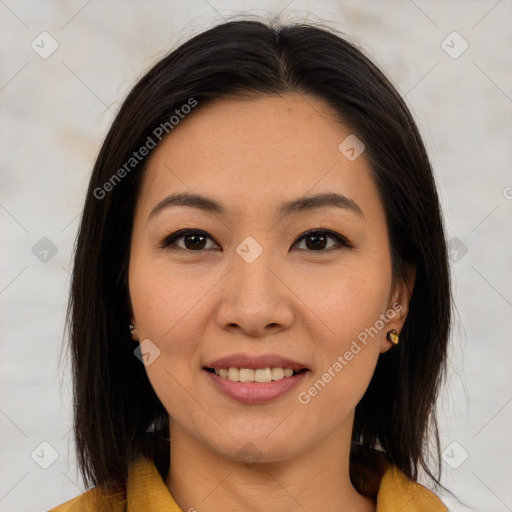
{"type": "Point", "coordinates": [254, 298]}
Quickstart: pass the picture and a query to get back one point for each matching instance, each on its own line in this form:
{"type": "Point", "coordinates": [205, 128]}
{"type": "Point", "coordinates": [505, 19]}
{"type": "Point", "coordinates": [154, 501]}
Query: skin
{"type": "Point", "coordinates": [305, 304]}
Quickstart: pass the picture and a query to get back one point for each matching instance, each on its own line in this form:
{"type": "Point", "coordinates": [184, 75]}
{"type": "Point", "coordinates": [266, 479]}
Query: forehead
{"type": "Point", "coordinates": [255, 151]}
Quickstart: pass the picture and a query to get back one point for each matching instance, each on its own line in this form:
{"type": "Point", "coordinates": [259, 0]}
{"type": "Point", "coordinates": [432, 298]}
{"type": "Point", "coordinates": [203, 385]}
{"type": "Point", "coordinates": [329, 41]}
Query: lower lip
{"type": "Point", "coordinates": [256, 392]}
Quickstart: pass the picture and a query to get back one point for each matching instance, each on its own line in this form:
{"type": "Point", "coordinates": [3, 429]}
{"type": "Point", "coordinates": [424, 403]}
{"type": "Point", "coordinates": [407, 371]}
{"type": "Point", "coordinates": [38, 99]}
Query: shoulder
{"type": "Point", "coordinates": [94, 500]}
{"type": "Point", "coordinates": [376, 477]}
{"type": "Point", "coordinates": [398, 492]}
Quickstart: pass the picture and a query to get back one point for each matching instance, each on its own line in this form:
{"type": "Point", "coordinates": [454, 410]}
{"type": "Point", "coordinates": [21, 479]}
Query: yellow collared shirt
{"type": "Point", "coordinates": [147, 492]}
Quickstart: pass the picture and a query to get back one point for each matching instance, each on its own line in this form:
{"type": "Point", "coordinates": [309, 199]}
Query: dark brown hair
{"type": "Point", "coordinates": [117, 413]}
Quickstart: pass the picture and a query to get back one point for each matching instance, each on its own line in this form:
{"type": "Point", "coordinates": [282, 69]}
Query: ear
{"type": "Point", "coordinates": [398, 306]}
{"type": "Point", "coordinates": [133, 332]}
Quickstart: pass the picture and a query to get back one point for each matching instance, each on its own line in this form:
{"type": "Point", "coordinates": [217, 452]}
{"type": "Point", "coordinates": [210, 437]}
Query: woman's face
{"type": "Point", "coordinates": [251, 288]}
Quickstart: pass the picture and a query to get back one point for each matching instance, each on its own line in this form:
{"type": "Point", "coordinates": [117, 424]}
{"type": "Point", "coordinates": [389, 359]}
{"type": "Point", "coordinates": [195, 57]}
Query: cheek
{"type": "Point", "coordinates": [163, 307]}
{"type": "Point", "coordinates": [349, 298]}
{"type": "Point", "coordinates": [353, 305]}
{"type": "Point", "coordinates": [164, 297]}
{"type": "Point", "coordinates": [151, 295]}
{"type": "Point", "coordinates": [169, 306]}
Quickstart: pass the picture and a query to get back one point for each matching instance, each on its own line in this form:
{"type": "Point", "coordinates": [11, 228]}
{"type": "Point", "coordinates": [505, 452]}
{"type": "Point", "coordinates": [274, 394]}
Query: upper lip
{"type": "Point", "coordinates": [256, 361]}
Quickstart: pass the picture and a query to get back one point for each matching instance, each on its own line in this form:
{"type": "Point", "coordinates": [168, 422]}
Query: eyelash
{"type": "Point", "coordinates": [183, 233]}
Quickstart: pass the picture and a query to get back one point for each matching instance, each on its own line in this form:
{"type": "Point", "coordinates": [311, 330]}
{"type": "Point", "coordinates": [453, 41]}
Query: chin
{"type": "Point", "coordinates": [253, 449]}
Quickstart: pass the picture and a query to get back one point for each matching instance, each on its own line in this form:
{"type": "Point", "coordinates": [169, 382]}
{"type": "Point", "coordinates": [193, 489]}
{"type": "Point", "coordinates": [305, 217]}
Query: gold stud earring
{"type": "Point", "coordinates": [393, 336]}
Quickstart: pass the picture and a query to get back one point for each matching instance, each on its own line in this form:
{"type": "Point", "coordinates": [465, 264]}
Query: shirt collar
{"type": "Point", "coordinates": [146, 490]}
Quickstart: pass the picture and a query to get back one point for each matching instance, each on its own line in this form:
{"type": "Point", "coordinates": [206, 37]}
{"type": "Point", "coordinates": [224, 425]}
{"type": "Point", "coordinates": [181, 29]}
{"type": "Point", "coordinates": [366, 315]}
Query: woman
{"type": "Point", "coordinates": [260, 304]}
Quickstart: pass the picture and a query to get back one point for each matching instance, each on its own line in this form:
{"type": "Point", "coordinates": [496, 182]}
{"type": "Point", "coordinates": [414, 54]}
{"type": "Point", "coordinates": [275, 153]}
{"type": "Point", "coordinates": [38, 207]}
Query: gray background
{"type": "Point", "coordinates": [55, 112]}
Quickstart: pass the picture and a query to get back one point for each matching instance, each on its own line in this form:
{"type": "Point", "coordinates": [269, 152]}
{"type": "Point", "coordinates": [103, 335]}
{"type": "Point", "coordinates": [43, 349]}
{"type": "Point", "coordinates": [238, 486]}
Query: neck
{"type": "Point", "coordinates": [317, 480]}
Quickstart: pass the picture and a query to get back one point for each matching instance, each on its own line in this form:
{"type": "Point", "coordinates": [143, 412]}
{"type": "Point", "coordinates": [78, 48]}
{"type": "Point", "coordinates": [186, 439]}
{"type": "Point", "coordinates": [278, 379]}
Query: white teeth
{"type": "Point", "coordinates": [263, 375]}
{"type": "Point", "coordinates": [251, 375]}
{"type": "Point", "coordinates": [277, 373]}
{"type": "Point", "coordinates": [246, 375]}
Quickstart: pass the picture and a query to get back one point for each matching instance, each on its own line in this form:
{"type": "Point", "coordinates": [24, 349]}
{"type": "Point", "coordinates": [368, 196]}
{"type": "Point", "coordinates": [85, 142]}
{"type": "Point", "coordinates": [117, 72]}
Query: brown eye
{"type": "Point", "coordinates": [318, 240]}
{"type": "Point", "coordinates": [196, 240]}
{"type": "Point", "coordinates": [192, 240]}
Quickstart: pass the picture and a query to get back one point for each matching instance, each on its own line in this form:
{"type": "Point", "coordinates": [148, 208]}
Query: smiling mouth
{"type": "Point", "coordinates": [260, 375]}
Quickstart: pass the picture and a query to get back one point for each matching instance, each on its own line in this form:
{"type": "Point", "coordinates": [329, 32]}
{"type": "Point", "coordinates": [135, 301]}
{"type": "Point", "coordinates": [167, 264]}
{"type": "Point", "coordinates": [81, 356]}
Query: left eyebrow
{"type": "Point", "coordinates": [308, 203]}
{"type": "Point", "coordinates": [296, 206]}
